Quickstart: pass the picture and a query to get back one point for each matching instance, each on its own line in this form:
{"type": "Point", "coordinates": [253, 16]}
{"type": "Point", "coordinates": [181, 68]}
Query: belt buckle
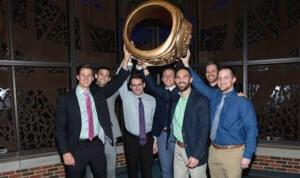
{"type": "Point", "coordinates": [88, 140]}
{"type": "Point", "coordinates": [227, 147]}
{"type": "Point", "coordinates": [179, 143]}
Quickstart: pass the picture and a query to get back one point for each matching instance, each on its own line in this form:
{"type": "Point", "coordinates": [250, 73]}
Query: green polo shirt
{"type": "Point", "coordinates": [178, 118]}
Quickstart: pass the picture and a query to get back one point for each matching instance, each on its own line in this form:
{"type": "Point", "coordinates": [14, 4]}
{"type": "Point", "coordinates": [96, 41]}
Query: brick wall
{"type": "Point", "coordinates": [121, 162]}
{"type": "Point", "coordinates": [268, 163]}
{"type": "Point", "coordinates": [279, 164]}
{"type": "Point", "coordinates": [51, 171]}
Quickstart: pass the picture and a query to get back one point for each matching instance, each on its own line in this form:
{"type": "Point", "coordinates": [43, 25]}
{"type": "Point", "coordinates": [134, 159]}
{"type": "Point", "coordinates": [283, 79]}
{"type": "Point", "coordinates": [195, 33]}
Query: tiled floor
{"type": "Point", "coordinates": [156, 171]}
{"type": "Point", "coordinates": [121, 173]}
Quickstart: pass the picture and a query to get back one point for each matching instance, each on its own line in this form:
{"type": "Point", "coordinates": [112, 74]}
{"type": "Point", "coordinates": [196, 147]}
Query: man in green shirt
{"type": "Point", "coordinates": [190, 128]}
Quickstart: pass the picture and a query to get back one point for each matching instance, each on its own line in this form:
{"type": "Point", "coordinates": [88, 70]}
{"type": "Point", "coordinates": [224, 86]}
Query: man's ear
{"type": "Point", "coordinates": [234, 79]}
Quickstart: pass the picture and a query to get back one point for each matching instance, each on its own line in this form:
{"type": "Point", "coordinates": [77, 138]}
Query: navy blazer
{"type": "Point", "coordinates": [195, 128]}
{"type": "Point", "coordinates": [164, 100]}
{"type": "Point", "coordinates": [68, 117]}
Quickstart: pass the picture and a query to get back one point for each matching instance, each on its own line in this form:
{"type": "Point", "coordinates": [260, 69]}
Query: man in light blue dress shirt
{"type": "Point", "coordinates": [136, 152]}
{"type": "Point", "coordinates": [82, 123]}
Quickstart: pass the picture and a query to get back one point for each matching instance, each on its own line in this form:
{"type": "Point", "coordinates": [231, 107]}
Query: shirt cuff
{"type": "Point", "coordinates": [154, 138]}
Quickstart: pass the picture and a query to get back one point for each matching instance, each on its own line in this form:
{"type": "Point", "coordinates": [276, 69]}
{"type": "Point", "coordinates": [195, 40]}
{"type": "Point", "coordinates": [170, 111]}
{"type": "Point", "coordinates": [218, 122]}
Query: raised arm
{"type": "Point", "coordinates": [115, 83]}
{"type": "Point", "coordinates": [123, 90]}
{"type": "Point", "coordinates": [119, 79]}
{"type": "Point", "coordinates": [198, 82]}
{"type": "Point", "coordinates": [157, 90]}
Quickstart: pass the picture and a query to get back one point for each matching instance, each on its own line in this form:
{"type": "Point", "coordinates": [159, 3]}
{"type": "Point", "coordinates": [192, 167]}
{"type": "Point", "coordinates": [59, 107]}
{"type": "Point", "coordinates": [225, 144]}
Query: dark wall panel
{"type": "Point", "coordinates": [95, 31]}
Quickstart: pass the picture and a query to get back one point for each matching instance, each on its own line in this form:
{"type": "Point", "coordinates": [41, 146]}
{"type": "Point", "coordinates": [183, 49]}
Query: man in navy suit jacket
{"type": "Point", "coordinates": [190, 128]}
{"type": "Point", "coordinates": [164, 95]}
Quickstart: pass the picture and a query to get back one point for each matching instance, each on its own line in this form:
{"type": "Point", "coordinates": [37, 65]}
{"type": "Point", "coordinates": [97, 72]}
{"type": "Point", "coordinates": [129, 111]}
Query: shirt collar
{"type": "Point", "coordinates": [140, 96]}
{"type": "Point", "coordinates": [184, 97]}
{"type": "Point", "coordinates": [80, 91]}
{"type": "Point", "coordinates": [232, 92]}
{"type": "Point", "coordinates": [170, 88]}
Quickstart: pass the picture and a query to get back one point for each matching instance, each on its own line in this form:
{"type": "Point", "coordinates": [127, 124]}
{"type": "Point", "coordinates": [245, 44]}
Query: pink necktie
{"type": "Point", "coordinates": [142, 135]}
{"type": "Point", "coordinates": [89, 115]}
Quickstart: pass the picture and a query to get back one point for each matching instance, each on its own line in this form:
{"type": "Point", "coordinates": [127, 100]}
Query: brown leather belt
{"type": "Point", "coordinates": [179, 143]}
{"type": "Point", "coordinates": [226, 146]}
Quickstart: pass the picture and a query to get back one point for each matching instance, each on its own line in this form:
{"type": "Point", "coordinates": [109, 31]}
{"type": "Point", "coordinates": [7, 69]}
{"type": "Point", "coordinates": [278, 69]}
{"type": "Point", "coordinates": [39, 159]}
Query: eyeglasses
{"type": "Point", "coordinates": [136, 85]}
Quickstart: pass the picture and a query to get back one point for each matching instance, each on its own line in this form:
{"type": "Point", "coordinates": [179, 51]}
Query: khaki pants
{"type": "Point", "coordinates": [180, 168]}
{"type": "Point", "coordinates": [225, 163]}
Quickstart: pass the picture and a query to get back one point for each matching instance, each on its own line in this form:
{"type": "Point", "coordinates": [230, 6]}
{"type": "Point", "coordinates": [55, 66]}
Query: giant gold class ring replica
{"type": "Point", "coordinates": [175, 45]}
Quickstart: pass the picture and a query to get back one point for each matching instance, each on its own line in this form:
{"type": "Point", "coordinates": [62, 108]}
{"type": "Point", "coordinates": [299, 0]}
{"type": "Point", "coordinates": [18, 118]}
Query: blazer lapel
{"type": "Point", "coordinates": [189, 104]}
{"type": "Point", "coordinates": [76, 108]}
{"type": "Point", "coordinates": [174, 107]}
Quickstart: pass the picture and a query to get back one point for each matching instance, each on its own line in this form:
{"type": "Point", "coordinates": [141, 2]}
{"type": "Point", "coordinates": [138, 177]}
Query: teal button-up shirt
{"type": "Point", "coordinates": [178, 118]}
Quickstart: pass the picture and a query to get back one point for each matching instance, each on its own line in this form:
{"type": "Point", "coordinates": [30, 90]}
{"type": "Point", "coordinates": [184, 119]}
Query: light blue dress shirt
{"type": "Point", "coordinates": [237, 123]}
{"type": "Point", "coordinates": [84, 120]}
{"type": "Point", "coordinates": [130, 103]}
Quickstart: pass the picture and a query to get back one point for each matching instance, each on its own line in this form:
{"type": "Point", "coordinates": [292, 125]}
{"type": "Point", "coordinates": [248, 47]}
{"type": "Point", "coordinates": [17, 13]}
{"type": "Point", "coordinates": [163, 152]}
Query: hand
{"type": "Point", "coordinates": [245, 163]}
{"type": "Point", "coordinates": [192, 162]}
{"type": "Point", "coordinates": [145, 67]}
{"type": "Point", "coordinates": [127, 54]}
{"type": "Point", "coordinates": [242, 94]}
{"type": "Point", "coordinates": [155, 148]}
{"type": "Point", "coordinates": [143, 64]}
{"type": "Point", "coordinates": [138, 66]}
{"type": "Point", "coordinates": [127, 58]}
{"type": "Point", "coordinates": [132, 42]}
{"type": "Point", "coordinates": [185, 60]}
{"type": "Point", "coordinates": [68, 159]}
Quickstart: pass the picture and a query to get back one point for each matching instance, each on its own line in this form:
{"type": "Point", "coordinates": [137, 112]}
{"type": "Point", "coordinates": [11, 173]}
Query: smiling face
{"type": "Point", "coordinates": [103, 77]}
{"type": "Point", "coordinates": [85, 78]}
{"type": "Point", "coordinates": [183, 80]}
{"type": "Point", "coordinates": [168, 77]}
{"type": "Point", "coordinates": [211, 73]}
{"type": "Point", "coordinates": [137, 86]}
{"type": "Point", "coordinates": [226, 80]}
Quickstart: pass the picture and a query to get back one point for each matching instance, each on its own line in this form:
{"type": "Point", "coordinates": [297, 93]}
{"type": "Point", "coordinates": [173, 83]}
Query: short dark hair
{"type": "Point", "coordinates": [228, 68]}
{"type": "Point", "coordinates": [136, 76]}
{"type": "Point", "coordinates": [103, 68]}
{"type": "Point", "coordinates": [84, 66]}
{"type": "Point", "coordinates": [212, 63]}
{"type": "Point", "coordinates": [167, 68]}
{"type": "Point", "coordinates": [183, 68]}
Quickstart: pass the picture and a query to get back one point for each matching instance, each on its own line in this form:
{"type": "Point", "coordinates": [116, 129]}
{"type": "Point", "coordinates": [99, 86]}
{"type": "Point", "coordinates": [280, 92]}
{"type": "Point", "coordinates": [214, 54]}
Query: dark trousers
{"type": "Point", "coordinates": [88, 153]}
{"type": "Point", "coordinates": [136, 153]}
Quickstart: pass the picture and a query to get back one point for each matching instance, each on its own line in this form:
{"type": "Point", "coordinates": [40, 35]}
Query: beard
{"type": "Point", "coordinates": [211, 78]}
{"type": "Point", "coordinates": [184, 87]}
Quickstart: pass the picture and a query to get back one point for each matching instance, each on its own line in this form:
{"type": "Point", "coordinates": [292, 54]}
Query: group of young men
{"type": "Point", "coordinates": [188, 122]}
